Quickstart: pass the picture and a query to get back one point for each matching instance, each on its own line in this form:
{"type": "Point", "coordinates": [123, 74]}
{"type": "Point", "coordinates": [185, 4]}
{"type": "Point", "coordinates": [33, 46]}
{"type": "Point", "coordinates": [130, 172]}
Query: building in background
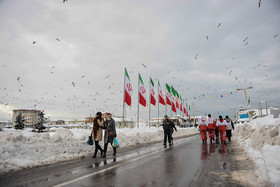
{"type": "Point", "coordinates": [30, 115]}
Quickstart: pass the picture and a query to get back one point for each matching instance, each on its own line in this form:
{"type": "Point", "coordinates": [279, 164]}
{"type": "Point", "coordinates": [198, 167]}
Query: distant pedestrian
{"type": "Point", "coordinates": [167, 126]}
{"type": "Point", "coordinates": [211, 127]}
{"type": "Point", "coordinates": [172, 129]}
{"type": "Point", "coordinates": [229, 128]}
{"type": "Point", "coordinates": [221, 124]}
{"type": "Point", "coordinates": [203, 125]}
{"type": "Point", "coordinates": [96, 132]}
{"type": "Point", "coordinates": [110, 133]}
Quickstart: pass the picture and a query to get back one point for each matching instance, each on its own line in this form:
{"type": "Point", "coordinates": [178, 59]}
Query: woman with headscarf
{"type": "Point", "coordinates": [96, 132]}
{"type": "Point", "coordinates": [229, 128]}
{"type": "Point", "coordinates": [110, 133]}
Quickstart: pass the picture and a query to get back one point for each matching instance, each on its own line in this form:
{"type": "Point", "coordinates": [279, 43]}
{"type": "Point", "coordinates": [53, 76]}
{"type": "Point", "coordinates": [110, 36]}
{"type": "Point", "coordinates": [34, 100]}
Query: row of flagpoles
{"type": "Point", "coordinates": [171, 97]}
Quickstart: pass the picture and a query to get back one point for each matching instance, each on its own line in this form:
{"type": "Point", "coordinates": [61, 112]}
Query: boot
{"type": "Point", "coordinates": [115, 152]}
{"type": "Point", "coordinates": [104, 155]}
{"type": "Point", "coordinates": [94, 156]}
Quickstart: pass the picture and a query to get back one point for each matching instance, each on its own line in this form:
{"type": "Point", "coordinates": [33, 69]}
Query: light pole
{"type": "Point", "coordinates": [238, 89]}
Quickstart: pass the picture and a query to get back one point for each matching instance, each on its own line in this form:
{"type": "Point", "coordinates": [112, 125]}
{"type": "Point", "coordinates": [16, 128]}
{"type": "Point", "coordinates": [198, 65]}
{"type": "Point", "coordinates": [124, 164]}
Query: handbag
{"type": "Point", "coordinates": [111, 133]}
{"type": "Point", "coordinates": [90, 140]}
{"type": "Point", "coordinates": [115, 143]}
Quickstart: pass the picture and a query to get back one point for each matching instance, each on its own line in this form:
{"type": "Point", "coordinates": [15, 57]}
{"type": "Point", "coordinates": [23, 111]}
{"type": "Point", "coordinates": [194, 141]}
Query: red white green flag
{"type": "Point", "coordinates": [173, 104]}
{"type": "Point", "coordinates": [168, 95]}
{"type": "Point", "coordinates": [152, 92]}
{"type": "Point", "coordinates": [160, 95]}
{"type": "Point", "coordinates": [142, 92]}
{"type": "Point", "coordinates": [181, 104]}
{"type": "Point", "coordinates": [128, 89]}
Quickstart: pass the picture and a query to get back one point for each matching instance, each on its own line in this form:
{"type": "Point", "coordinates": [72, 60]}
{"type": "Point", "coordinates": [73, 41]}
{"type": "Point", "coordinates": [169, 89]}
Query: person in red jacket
{"type": "Point", "coordinates": [203, 129]}
{"type": "Point", "coordinates": [211, 128]}
{"type": "Point", "coordinates": [222, 125]}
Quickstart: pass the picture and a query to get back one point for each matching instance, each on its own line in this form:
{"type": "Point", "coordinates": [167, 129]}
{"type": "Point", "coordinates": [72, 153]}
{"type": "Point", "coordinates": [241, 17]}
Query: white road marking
{"type": "Point", "coordinates": [120, 164]}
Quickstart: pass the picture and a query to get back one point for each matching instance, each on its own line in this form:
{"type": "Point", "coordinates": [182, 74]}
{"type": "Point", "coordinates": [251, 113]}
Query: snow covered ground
{"type": "Point", "coordinates": [261, 139]}
{"type": "Point", "coordinates": [23, 148]}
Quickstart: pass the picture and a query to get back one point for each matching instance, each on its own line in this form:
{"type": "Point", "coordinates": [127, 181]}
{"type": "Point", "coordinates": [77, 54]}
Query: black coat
{"type": "Point", "coordinates": [109, 126]}
{"type": "Point", "coordinates": [167, 125]}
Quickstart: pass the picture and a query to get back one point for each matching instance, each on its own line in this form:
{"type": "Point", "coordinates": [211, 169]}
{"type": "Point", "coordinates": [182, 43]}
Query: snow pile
{"type": "Point", "coordinates": [261, 138]}
{"type": "Point", "coordinates": [23, 148]}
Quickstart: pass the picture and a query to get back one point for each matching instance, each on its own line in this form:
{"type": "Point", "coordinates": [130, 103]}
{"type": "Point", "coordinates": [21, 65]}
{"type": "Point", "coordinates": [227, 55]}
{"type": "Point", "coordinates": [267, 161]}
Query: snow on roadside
{"type": "Point", "coordinates": [261, 139]}
{"type": "Point", "coordinates": [24, 149]}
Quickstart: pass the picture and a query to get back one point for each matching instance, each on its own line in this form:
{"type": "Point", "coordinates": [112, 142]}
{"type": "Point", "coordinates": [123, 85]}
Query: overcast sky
{"type": "Point", "coordinates": [98, 39]}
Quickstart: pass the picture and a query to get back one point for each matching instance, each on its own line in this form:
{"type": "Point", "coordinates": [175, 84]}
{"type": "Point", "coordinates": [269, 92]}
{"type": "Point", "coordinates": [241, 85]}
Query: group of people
{"type": "Point", "coordinates": [221, 128]}
{"type": "Point", "coordinates": [168, 127]}
{"type": "Point", "coordinates": [108, 125]}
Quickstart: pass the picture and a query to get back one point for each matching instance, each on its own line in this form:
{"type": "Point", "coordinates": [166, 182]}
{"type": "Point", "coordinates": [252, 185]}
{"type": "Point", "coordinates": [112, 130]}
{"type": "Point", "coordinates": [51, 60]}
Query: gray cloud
{"type": "Point", "coordinates": [99, 38]}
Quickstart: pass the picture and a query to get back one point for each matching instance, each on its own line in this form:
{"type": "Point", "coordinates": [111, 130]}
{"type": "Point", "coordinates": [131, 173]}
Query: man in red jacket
{"type": "Point", "coordinates": [222, 125]}
{"type": "Point", "coordinates": [203, 129]}
{"type": "Point", "coordinates": [211, 127]}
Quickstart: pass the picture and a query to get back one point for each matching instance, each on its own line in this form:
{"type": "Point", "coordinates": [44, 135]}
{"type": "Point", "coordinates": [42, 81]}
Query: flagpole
{"type": "Point", "coordinates": [150, 102]}
{"type": "Point", "coordinates": [138, 104]}
{"type": "Point", "coordinates": [158, 104]}
{"type": "Point", "coordinates": [123, 96]}
{"type": "Point", "coordinates": [165, 101]}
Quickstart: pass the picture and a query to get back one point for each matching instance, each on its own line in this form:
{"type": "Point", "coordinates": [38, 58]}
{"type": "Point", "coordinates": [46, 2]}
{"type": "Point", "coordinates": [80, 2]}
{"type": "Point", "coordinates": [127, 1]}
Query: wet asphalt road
{"type": "Point", "coordinates": [187, 163]}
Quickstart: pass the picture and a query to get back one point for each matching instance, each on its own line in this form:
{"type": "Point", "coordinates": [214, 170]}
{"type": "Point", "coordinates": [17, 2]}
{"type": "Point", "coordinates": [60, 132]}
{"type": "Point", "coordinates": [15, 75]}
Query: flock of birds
{"type": "Point", "coordinates": [41, 101]}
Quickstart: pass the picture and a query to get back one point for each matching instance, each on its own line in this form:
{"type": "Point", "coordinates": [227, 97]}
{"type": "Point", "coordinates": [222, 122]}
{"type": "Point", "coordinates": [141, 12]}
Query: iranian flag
{"type": "Point", "coordinates": [160, 95]}
{"type": "Point", "coordinates": [152, 92]}
{"type": "Point", "coordinates": [173, 104]}
{"type": "Point", "coordinates": [142, 92]}
{"type": "Point", "coordinates": [185, 110]}
{"type": "Point", "coordinates": [128, 89]}
{"type": "Point", "coordinates": [176, 95]}
{"type": "Point", "coordinates": [168, 95]}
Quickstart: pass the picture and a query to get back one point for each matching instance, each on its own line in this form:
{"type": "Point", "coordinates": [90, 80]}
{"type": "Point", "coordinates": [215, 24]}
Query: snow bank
{"type": "Point", "coordinates": [261, 138]}
{"type": "Point", "coordinates": [23, 148]}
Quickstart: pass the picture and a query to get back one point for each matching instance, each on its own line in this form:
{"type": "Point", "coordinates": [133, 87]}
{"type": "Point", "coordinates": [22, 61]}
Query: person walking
{"type": "Point", "coordinates": [110, 133]}
{"type": "Point", "coordinates": [96, 132]}
{"type": "Point", "coordinates": [167, 130]}
{"type": "Point", "coordinates": [221, 124]}
{"type": "Point", "coordinates": [203, 129]}
{"type": "Point", "coordinates": [229, 128]}
{"type": "Point", "coordinates": [172, 129]}
{"type": "Point", "coordinates": [211, 127]}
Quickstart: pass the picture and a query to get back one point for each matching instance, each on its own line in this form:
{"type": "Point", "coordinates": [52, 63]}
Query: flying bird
{"type": "Point", "coordinates": [260, 3]}
{"type": "Point", "coordinates": [275, 36]}
{"type": "Point", "coordinates": [245, 39]}
{"type": "Point", "coordinates": [236, 78]}
{"type": "Point", "coordinates": [33, 42]}
{"type": "Point", "coordinates": [219, 24]}
{"type": "Point", "coordinates": [53, 67]}
{"type": "Point", "coordinates": [246, 43]}
{"type": "Point", "coordinates": [18, 78]}
{"type": "Point", "coordinates": [73, 84]}
{"type": "Point", "coordinates": [144, 65]}
{"type": "Point", "coordinates": [83, 76]}
{"type": "Point", "coordinates": [207, 37]}
{"type": "Point", "coordinates": [64, 1]}
{"type": "Point", "coordinates": [57, 39]}
{"type": "Point", "coordinates": [19, 90]}
{"type": "Point", "coordinates": [107, 77]}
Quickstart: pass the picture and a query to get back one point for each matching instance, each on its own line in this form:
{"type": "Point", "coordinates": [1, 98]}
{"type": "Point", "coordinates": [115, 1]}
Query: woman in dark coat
{"type": "Point", "coordinates": [96, 132]}
{"type": "Point", "coordinates": [110, 133]}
